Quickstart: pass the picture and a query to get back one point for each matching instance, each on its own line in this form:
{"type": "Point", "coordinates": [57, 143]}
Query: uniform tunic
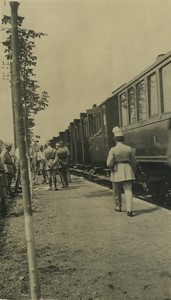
{"type": "Point", "coordinates": [121, 160]}
{"type": "Point", "coordinates": [9, 168]}
{"type": "Point", "coordinates": [51, 158]}
{"type": "Point", "coordinates": [63, 156]}
{"type": "Point", "coordinates": [7, 161]}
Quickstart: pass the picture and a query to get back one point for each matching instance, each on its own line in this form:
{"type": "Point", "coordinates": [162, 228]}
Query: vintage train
{"type": "Point", "coordinates": [142, 108]}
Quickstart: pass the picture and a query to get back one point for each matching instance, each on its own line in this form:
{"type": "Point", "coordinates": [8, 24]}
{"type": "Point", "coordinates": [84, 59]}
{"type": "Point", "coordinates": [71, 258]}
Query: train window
{"type": "Point", "coordinates": [166, 88]}
{"type": "Point", "coordinates": [131, 105]}
{"type": "Point", "coordinates": [95, 124]}
{"type": "Point", "coordinates": [152, 94]}
{"type": "Point", "coordinates": [90, 119]}
{"type": "Point", "coordinates": [124, 109]}
{"type": "Point", "coordinates": [141, 101]}
{"type": "Point", "coordinates": [104, 122]}
{"type": "Point", "coordinates": [98, 122]}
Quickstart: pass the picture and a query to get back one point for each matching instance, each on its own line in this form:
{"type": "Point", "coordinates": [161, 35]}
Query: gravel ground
{"type": "Point", "coordinates": [85, 250]}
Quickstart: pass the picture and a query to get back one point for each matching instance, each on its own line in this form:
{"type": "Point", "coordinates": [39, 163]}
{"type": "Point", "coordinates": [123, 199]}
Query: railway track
{"type": "Point", "coordinates": [139, 191]}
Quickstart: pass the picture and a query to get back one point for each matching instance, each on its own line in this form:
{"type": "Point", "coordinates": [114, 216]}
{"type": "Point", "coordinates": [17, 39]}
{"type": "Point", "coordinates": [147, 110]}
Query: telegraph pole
{"type": "Point", "coordinates": [21, 142]}
{"type": "Point", "coordinates": [13, 113]}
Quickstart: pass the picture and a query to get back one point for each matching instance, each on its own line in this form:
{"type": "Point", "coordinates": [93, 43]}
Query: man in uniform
{"type": "Point", "coordinates": [63, 157]}
{"type": "Point", "coordinates": [121, 160]}
{"type": "Point", "coordinates": [51, 165]}
{"type": "Point", "coordinates": [8, 166]}
{"type": "Point", "coordinates": [41, 160]}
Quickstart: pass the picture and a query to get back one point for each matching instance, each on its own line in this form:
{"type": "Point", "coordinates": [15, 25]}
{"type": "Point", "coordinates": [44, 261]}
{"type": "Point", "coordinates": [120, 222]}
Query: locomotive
{"type": "Point", "coordinates": [142, 109]}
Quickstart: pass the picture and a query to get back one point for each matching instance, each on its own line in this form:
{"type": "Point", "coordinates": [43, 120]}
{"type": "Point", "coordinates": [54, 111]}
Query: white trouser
{"type": "Point", "coordinates": [117, 192]}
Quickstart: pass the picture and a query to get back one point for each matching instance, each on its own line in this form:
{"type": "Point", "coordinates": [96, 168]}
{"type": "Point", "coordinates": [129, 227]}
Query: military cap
{"type": "Point", "coordinates": [117, 132]}
{"type": "Point", "coordinates": [8, 145]}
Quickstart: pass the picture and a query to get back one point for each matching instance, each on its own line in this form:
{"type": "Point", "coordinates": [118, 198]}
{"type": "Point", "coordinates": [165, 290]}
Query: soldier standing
{"type": "Point", "coordinates": [8, 166]}
{"type": "Point", "coordinates": [63, 157]}
{"type": "Point", "coordinates": [121, 160]}
{"type": "Point", "coordinates": [41, 159]}
{"type": "Point", "coordinates": [51, 164]}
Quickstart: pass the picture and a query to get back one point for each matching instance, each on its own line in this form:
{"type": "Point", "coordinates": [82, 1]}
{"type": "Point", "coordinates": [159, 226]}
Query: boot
{"type": "Point", "coordinates": [50, 184]}
{"type": "Point", "coordinates": [55, 184]}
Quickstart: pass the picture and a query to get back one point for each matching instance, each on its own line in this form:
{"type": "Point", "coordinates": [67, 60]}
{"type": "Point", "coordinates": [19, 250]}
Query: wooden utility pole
{"type": "Point", "coordinates": [21, 142]}
{"type": "Point", "coordinates": [13, 114]}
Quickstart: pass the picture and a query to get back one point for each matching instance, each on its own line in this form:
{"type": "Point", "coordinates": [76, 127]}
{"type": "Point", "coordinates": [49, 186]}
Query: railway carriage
{"type": "Point", "coordinates": [101, 120]}
{"type": "Point", "coordinates": [145, 113]}
{"type": "Point", "coordinates": [142, 108]}
{"type": "Point", "coordinates": [75, 142]}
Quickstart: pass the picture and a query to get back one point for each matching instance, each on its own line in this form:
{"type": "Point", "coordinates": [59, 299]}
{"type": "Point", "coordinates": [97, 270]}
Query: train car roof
{"type": "Point", "coordinates": [83, 114]}
{"type": "Point", "coordinates": [110, 97]}
{"type": "Point", "coordinates": [76, 120]}
{"type": "Point", "coordinates": [160, 58]}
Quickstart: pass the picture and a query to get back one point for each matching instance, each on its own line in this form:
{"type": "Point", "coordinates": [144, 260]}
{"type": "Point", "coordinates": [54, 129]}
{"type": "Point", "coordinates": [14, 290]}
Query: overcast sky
{"type": "Point", "coordinates": [92, 47]}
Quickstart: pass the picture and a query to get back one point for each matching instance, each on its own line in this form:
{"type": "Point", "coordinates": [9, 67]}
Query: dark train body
{"type": "Point", "coordinates": [84, 134]}
{"type": "Point", "coordinates": [101, 120]}
{"type": "Point", "coordinates": [142, 108]}
{"type": "Point", "coordinates": [76, 140]}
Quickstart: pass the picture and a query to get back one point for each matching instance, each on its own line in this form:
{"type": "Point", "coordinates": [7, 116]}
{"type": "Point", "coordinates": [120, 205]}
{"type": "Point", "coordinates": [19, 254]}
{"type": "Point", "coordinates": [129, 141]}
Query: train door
{"type": "Point", "coordinates": [107, 143]}
{"type": "Point", "coordinates": [85, 139]}
{"type": "Point", "coordinates": [97, 142]}
{"type": "Point", "coordinates": [77, 141]}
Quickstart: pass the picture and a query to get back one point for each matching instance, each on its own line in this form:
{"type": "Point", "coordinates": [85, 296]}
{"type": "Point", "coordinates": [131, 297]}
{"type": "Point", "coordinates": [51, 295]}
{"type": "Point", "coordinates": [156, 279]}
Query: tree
{"type": "Point", "coordinates": [1, 145]}
{"type": "Point", "coordinates": [33, 100]}
{"type": "Point", "coordinates": [23, 154]}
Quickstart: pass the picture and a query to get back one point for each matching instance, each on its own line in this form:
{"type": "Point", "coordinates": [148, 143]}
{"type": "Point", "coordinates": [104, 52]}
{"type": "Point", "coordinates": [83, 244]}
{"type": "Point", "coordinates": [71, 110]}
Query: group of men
{"type": "Point", "coordinates": [121, 160]}
{"type": "Point", "coordinates": [50, 162]}
{"type": "Point", "coordinates": [53, 161]}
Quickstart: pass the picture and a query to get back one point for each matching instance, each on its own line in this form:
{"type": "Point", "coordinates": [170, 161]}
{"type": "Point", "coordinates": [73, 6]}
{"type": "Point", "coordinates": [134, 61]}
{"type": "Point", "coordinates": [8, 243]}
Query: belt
{"type": "Point", "coordinates": [122, 162]}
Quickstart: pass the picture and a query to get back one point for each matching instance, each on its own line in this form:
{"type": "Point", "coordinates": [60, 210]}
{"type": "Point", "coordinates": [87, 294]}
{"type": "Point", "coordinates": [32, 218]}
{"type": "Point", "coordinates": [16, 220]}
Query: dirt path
{"type": "Point", "coordinates": [86, 250]}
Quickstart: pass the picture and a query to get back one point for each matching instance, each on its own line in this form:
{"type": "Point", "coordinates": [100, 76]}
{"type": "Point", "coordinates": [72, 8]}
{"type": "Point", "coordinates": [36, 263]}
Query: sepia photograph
{"type": "Point", "coordinates": [85, 150]}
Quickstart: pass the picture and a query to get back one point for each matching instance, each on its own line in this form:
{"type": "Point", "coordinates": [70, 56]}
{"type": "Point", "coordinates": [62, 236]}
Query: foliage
{"type": "Point", "coordinates": [33, 101]}
{"type": "Point", "coordinates": [1, 145]}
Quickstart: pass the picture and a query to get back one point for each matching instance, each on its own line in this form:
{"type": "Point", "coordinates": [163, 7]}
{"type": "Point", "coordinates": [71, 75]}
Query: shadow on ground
{"type": "Point", "coordinates": [146, 211]}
